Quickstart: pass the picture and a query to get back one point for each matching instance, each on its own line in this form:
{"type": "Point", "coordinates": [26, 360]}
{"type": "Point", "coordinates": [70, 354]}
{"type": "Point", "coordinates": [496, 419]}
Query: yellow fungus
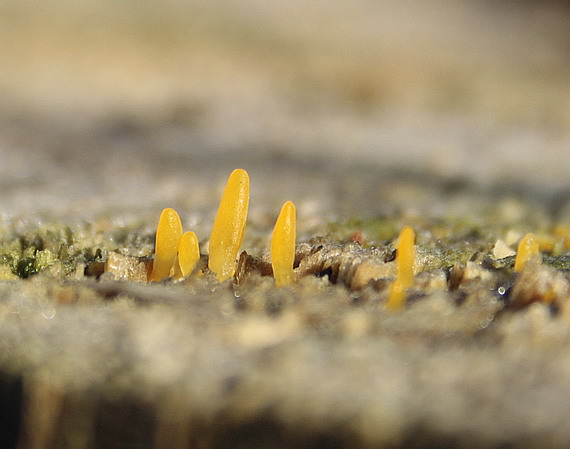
{"type": "Point", "coordinates": [229, 226]}
{"type": "Point", "coordinates": [188, 254]}
{"type": "Point", "coordinates": [283, 245]}
{"type": "Point", "coordinates": [528, 248]}
{"type": "Point", "coordinates": [168, 235]}
{"type": "Point", "coordinates": [405, 257]}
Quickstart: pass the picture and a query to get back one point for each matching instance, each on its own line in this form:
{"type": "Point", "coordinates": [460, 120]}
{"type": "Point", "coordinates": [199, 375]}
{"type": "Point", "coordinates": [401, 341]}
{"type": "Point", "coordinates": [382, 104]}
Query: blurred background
{"type": "Point", "coordinates": [124, 104]}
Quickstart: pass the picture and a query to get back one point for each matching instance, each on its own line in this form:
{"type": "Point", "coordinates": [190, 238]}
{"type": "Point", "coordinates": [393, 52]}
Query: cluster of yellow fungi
{"type": "Point", "coordinates": [528, 249]}
{"type": "Point", "coordinates": [177, 254]}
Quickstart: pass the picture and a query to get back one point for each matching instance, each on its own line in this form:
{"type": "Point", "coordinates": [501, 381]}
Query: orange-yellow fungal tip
{"type": "Point", "coordinates": [563, 233]}
{"type": "Point", "coordinates": [229, 226]}
{"type": "Point", "coordinates": [283, 245]}
{"type": "Point", "coordinates": [528, 248]}
{"type": "Point", "coordinates": [188, 254]}
{"type": "Point", "coordinates": [405, 257]}
{"type": "Point", "coordinates": [168, 236]}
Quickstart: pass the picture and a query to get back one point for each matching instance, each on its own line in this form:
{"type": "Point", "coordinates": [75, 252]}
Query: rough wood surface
{"type": "Point", "coordinates": [450, 117]}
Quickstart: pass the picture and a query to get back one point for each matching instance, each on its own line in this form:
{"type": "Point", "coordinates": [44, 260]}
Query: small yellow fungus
{"type": "Point", "coordinates": [168, 236]}
{"type": "Point", "coordinates": [229, 226]}
{"type": "Point", "coordinates": [188, 254]}
{"type": "Point", "coordinates": [283, 245]}
{"type": "Point", "coordinates": [405, 257]}
{"type": "Point", "coordinates": [560, 231]}
{"type": "Point", "coordinates": [528, 248]}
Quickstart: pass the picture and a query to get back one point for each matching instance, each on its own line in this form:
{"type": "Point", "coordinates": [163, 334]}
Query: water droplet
{"type": "Point", "coordinates": [49, 313]}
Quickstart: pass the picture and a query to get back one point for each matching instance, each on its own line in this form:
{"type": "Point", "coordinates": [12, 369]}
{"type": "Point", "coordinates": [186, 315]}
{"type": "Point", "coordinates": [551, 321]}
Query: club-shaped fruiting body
{"type": "Point", "coordinates": [283, 245]}
{"type": "Point", "coordinates": [168, 235]}
{"type": "Point", "coordinates": [188, 254]}
{"type": "Point", "coordinates": [229, 226]}
{"type": "Point", "coordinates": [527, 249]}
{"type": "Point", "coordinates": [405, 257]}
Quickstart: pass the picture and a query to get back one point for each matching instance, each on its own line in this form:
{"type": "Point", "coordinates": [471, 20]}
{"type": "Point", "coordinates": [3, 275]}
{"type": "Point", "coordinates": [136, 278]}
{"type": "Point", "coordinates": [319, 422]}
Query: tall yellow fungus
{"type": "Point", "coordinates": [405, 257]}
{"type": "Point", "coordinates": [283, 245]}
{"type": "Point", "coordinates": [168, 235]}
{"type": "Point", "coordinates": [229, 226]}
